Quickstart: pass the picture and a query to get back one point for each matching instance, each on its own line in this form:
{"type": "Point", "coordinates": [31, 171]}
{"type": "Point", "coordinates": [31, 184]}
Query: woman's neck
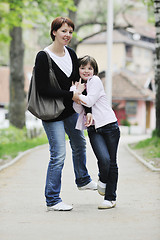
{"type": "Point", "coordinates": [57, 49]}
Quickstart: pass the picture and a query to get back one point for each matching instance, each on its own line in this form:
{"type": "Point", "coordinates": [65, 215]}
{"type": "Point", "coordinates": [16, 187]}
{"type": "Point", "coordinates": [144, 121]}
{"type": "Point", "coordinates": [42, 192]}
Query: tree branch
{"type": "Point", "coordinates": [89, 23]}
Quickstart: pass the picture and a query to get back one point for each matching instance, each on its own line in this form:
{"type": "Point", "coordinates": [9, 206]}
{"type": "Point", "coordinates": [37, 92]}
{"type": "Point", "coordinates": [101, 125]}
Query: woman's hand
{"type": "Point", "coordinates": [89, 119]}
{"type": "Point", "coordinates": [77, 99]}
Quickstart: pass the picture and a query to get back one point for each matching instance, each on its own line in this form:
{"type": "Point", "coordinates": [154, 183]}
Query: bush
{"type": "Point", "coordinates": [12, 134]}
{"type": "Point", "coordinates": [156, 133]}
{"type": "Point", "coordinates": [125, 122]}
{"type": "Point", "coordinates": [14, 140]}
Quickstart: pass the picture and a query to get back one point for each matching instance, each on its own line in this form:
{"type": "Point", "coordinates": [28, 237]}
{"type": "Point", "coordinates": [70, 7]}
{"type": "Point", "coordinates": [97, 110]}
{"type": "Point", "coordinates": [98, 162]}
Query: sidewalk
{"type": "Point", "coordinates": [23, 213]}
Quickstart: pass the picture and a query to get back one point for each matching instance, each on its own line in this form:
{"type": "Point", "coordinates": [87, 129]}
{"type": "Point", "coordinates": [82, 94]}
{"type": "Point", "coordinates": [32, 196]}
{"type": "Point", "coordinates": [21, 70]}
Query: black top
{"type": "Point", "coordinates": [43, 84]}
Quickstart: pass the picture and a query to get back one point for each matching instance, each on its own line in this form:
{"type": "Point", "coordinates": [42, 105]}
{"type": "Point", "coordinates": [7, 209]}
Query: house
{"type": "Point", "coordinates": [31, 121]}
{"type": "Point", "coordinates": [133, 88]}
{"type": "Point", "coordinates": [132, 100]}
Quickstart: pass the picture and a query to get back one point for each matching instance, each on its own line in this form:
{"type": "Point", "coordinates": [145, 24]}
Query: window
{"type": "Point", "coordinates": [131, 108]}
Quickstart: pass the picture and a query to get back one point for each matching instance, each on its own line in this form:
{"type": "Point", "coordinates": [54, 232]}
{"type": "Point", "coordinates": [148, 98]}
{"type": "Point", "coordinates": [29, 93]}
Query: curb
{"type": "Point", "coordinates": [148, 165]}
{"type": "Point", "coordinates": [16, 159]}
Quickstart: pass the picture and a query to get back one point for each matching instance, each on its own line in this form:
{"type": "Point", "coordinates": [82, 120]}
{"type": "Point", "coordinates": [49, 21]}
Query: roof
{"type": "Point", "coordinates": [129, 86]}
{"type": "Point", "coordinates": [4, 83]}
{"type": "Point", "coordinates": [118, 37]}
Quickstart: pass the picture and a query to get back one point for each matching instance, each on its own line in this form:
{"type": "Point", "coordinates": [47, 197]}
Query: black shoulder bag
{"type": "Point", "coordinates": [44, 108]}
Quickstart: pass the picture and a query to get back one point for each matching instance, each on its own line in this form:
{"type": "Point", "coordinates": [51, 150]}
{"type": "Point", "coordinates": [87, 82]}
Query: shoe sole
{"type": "Point", "coordinates": [92, 189]}
{"type": "Point", "coordinates": [60, 210]}
{"type": "Point", "coordinates": [101, 193]}
{"type": "Point", "coordinates": [107, 207]}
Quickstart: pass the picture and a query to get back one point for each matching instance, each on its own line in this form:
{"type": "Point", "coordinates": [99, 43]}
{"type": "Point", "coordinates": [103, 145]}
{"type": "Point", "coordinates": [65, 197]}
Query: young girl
{"type": "Point", "coordinates": [104, 132]}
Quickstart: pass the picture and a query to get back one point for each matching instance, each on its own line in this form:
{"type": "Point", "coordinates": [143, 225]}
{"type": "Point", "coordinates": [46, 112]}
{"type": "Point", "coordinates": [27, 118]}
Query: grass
{"type": "Point", "coordinates": [13, 141]}
{"type": "Point", "coordinates": [149, 149]}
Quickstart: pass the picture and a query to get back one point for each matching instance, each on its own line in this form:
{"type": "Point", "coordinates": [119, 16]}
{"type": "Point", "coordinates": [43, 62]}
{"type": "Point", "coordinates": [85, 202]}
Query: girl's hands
{"type": "Point", "coordinates": [80, 86]}
{"type": "Point", "coordinates": [89, 119]}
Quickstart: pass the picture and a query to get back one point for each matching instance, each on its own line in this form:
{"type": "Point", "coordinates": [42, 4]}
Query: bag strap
{"type": "Point", "coordinates": [49, 59]}
{"type": "Point", "coordinates": [52, 76]}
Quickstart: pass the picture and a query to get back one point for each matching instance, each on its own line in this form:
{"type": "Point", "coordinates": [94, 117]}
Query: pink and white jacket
{"type": "Point", "coordinates": [96, 99]}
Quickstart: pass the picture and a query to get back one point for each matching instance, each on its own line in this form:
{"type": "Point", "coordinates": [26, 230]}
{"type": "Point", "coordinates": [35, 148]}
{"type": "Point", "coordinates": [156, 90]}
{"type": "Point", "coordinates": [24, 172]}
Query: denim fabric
{"type": "Point", "coordinates": [56, 136]}
{"type": "Point", "coordinates": [104, 142]}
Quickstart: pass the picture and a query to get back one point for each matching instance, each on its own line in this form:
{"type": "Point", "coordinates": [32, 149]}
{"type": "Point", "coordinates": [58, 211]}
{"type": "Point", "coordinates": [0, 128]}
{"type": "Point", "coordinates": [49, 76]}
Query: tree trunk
{"type": "Point", "coordinates": [73, 17]}
{"type": "Point", "coordinates": [17, 95]}
{"type": "Point", "coordinates": [157, 64]}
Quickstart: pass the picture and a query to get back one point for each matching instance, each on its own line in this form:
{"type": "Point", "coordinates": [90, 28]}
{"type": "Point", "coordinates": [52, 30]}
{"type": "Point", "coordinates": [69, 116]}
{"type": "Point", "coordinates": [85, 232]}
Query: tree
{"type": "Point", "coordinates": [155, 4]}
{"type": "Point", "coordinates": [15, 15]}
{"type": "Point", "coordinates": [94, 15]}
{"type": "Point", "coordinates": [157, 64]}
{"type": "Point", "coordinates": [17, 95]}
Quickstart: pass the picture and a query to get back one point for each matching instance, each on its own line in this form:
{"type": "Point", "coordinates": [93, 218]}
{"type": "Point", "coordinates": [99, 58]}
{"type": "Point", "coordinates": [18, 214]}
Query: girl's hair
{"type": "Point", "coordinates": [58, 22]}
{"type": "Point", "coordinates": [83, 61]}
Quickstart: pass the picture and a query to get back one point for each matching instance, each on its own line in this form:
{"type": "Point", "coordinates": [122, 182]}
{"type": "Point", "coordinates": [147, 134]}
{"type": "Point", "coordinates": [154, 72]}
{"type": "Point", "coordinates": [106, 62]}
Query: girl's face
{"type": "Point", "coordinates": [86, 71]}
{"type": "Point", "coordinates": [64, 34]}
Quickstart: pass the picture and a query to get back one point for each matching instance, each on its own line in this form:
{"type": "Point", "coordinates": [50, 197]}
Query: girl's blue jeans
{"type": "Point", "coordinates": [104, 142]}
{"type": "Point", "coordinates": [56, 136]}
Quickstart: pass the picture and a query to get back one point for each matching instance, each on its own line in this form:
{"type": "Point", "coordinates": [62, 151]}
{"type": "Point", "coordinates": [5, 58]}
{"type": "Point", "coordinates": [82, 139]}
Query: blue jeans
{"type": "Point", "coordinates": [56, 136]}
{"type": "Point", "coordinates": [104, 142]}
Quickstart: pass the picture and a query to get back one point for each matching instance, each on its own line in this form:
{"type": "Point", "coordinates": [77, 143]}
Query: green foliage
{"type": "Point", "coordinates": [156, 133]}
{"type": "Point", "coordinates": [125, 122]}
{"type": "Point", "coordinates": [148, 2]}
{"type": "Point", "coordinates": [12, 134]}
{"type": "Point", "coordinates": [24, 13]}
{"type": "Point", "coordinates": [14, 140]}
{"type": "Point", "coordinates": [152, 146]}
{"type": "Point", "coordinates": [12, 149]}
{"type": "Point", "coordinates": [150, 9]}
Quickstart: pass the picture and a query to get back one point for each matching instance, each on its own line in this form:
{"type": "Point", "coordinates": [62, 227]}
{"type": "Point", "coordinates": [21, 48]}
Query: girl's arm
{"type": "Point", "coordinates": [93, 92]}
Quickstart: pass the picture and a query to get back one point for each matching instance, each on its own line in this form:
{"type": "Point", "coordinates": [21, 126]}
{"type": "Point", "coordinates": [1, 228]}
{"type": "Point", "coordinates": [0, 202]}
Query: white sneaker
{"type": "Point", "coordinates": [61, 206]}
{"type": "Point", "coordinates": [101, 187]}
{"type": "Point", "coordinates": [107, 204]}
{"type": "Point", "coordinates": [90, 186]}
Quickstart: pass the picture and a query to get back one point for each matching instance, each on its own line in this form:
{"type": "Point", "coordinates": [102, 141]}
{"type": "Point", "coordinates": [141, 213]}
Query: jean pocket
{"type": "Point", "coordinates": [91, 129]}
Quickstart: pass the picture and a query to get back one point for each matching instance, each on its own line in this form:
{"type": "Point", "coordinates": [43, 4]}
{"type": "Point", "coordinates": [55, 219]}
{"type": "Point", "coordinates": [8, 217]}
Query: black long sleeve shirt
{"type": "Point", "coordinates": [43, 83]}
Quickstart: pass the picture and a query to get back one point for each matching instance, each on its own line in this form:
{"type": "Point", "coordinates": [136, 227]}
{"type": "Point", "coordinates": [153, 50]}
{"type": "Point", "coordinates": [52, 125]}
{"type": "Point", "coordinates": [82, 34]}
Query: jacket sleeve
{"type": "Point", "coordinates": [93, 92]}
{"type": "Point", "coordinates": [42, 79]}
{"type": "Point", "coordinates": [78, 108]}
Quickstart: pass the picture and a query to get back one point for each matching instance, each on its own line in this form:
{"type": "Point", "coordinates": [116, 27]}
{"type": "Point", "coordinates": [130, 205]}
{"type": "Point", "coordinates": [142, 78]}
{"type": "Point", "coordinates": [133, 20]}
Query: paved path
{"type": "Point", "coordinates": [23, 214]}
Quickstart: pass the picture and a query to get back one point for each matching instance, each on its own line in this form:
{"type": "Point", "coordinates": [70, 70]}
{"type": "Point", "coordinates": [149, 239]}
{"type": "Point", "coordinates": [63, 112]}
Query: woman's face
{"type": "Point", "coordinates": [64, 34]}
{"type": "Point", "coordinates": [86, 71]}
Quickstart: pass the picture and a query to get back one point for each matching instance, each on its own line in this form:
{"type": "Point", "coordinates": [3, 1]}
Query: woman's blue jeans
{"type": "Point", "coordinates": [104, 142]}
{"type": "Point", "coordinates": [56, 136]}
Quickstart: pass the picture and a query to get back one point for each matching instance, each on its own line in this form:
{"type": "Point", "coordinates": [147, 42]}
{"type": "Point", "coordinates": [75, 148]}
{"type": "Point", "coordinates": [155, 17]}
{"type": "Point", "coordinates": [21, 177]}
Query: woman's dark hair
{"type": "Point", "coordinates": [58, 22]}
{"type": "Point", "coordinates": [87, 59]}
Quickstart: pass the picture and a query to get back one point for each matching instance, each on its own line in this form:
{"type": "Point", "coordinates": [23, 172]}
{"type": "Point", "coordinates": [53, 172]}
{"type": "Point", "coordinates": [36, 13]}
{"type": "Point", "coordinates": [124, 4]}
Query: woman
{"type": "Point", "coordinates": [65, 65]}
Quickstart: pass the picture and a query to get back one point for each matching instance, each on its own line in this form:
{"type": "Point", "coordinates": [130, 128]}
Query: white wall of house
{"type": "Point", "coordinates": [142, 60]}
{"type": "Point", "coordinates": [153, 117]}
{"type": "Point", "coordinates": [99, 52]}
